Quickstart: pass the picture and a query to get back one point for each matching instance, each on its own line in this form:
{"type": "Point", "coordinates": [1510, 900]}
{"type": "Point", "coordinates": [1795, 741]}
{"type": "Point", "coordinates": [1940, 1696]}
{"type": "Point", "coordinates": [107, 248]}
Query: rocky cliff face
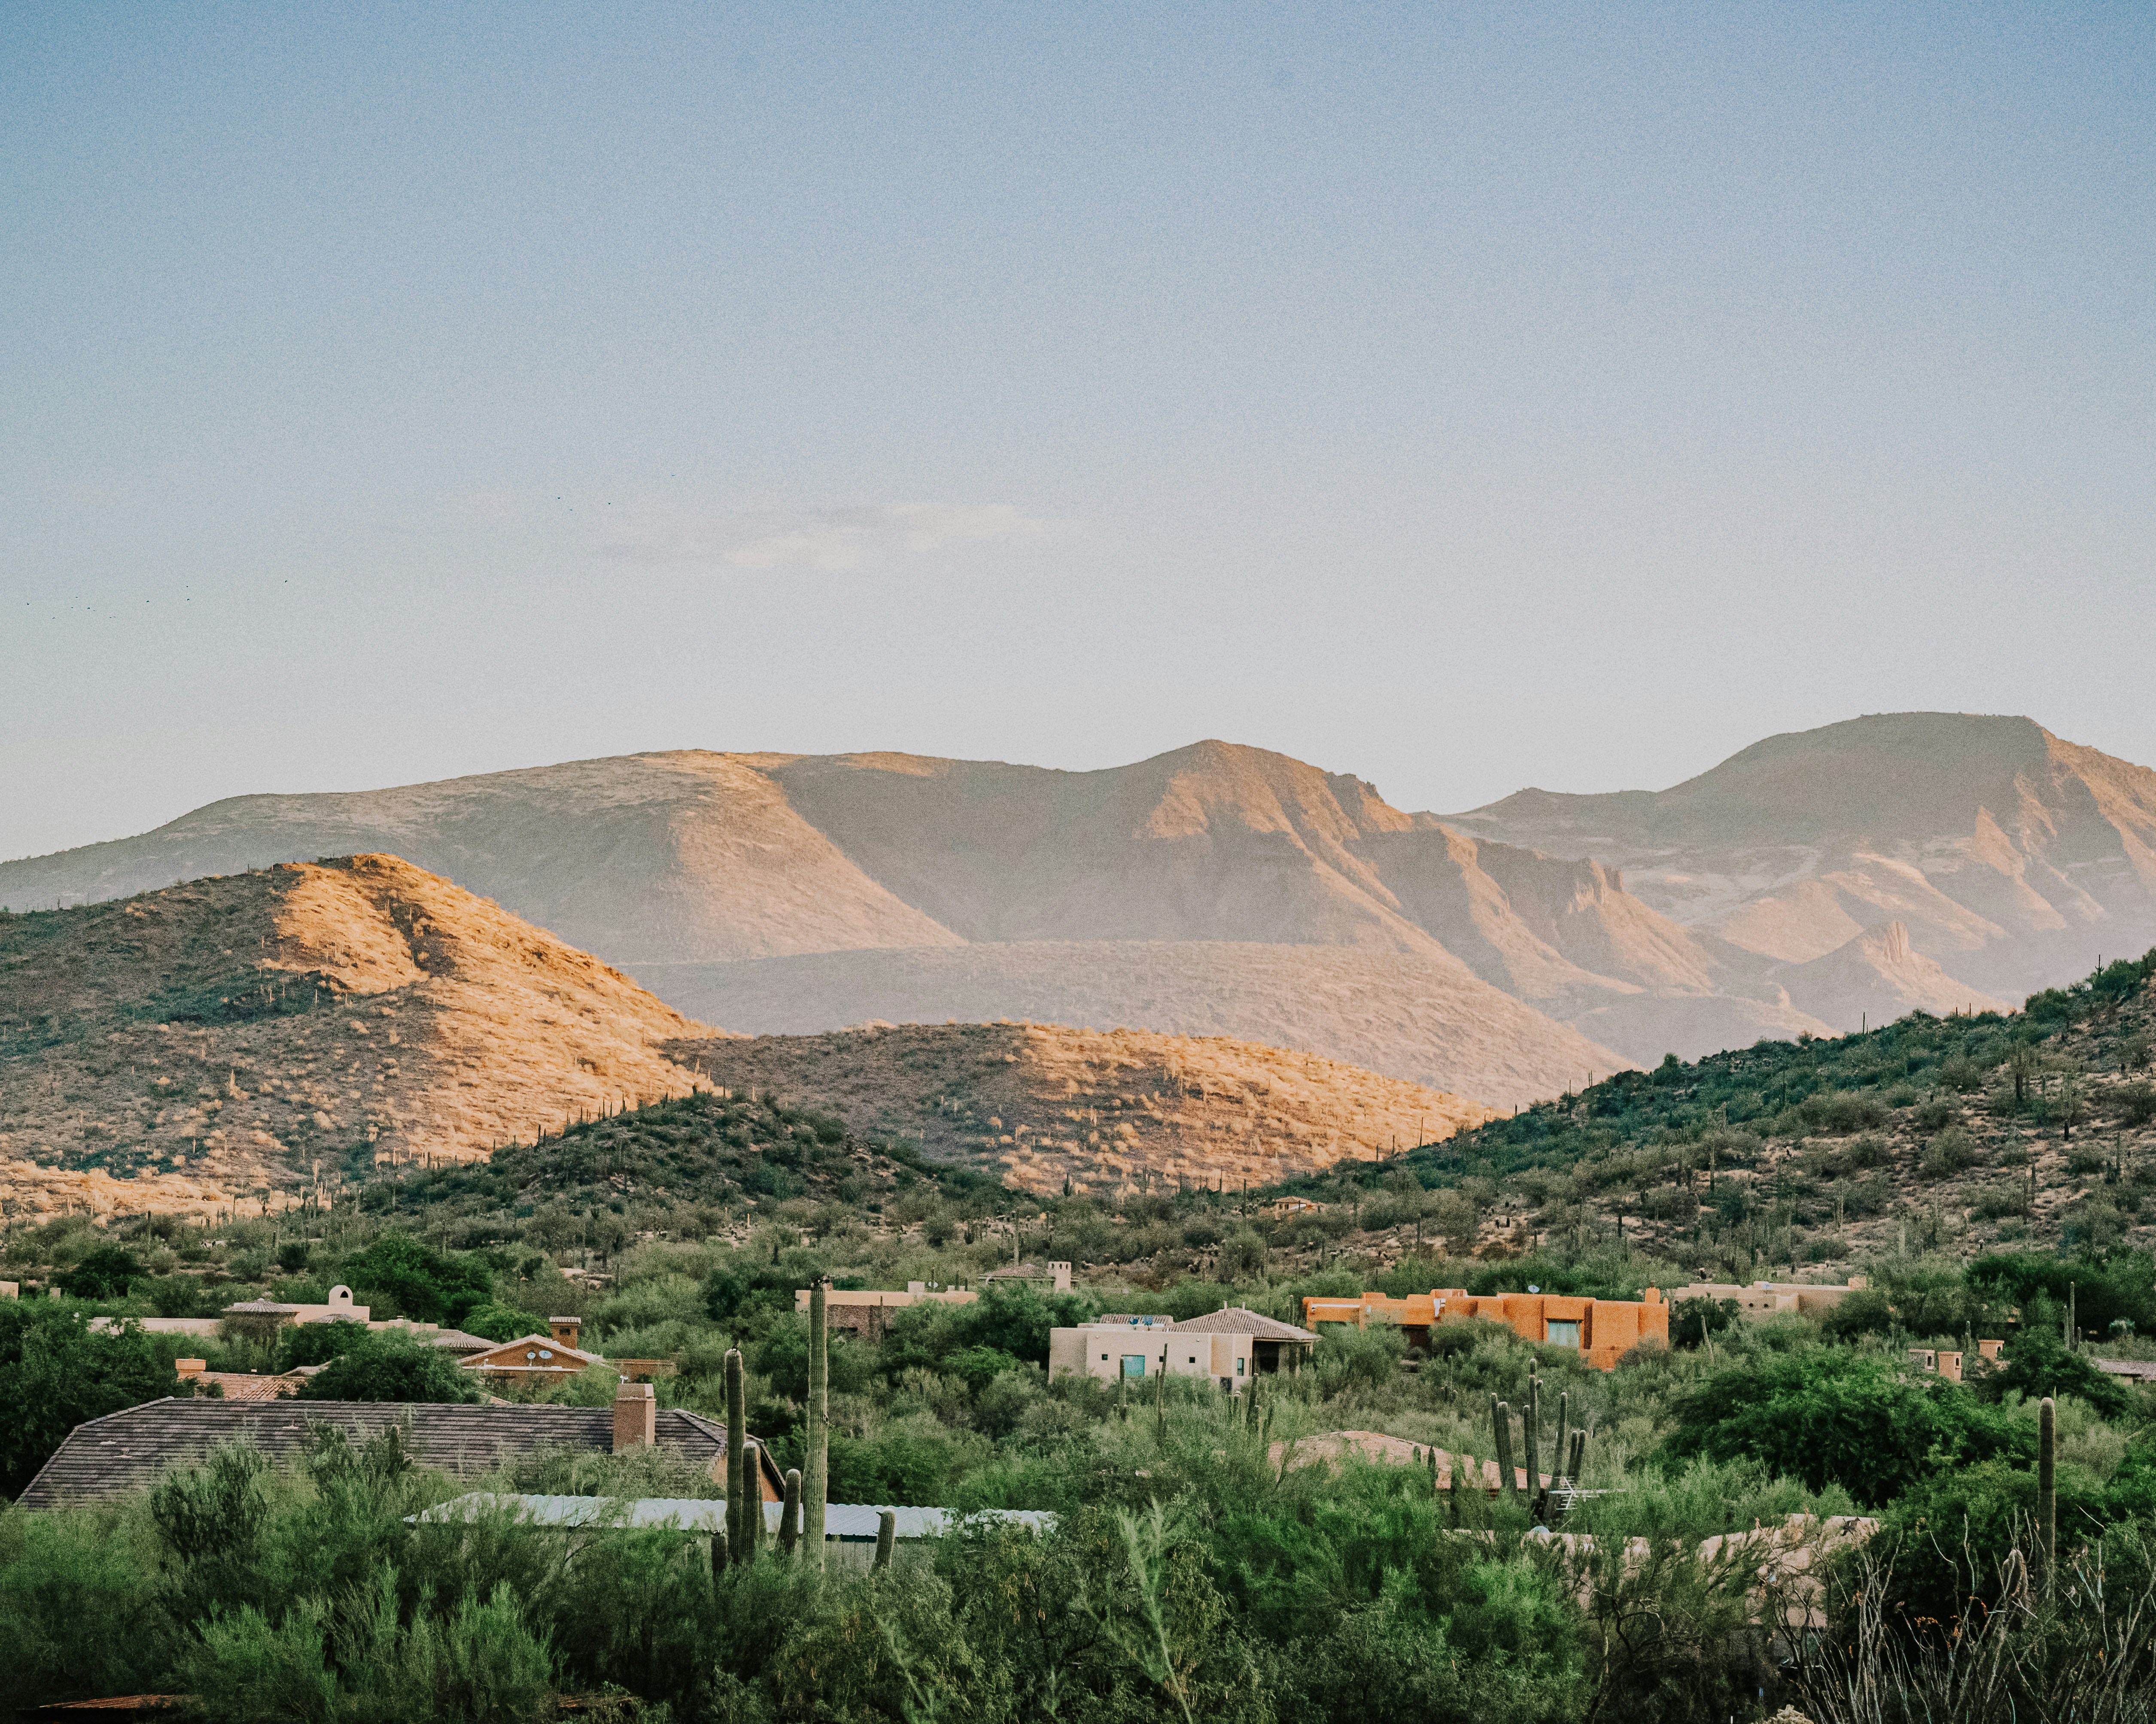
{"type": "Point", "coordinates": [2012, 858]}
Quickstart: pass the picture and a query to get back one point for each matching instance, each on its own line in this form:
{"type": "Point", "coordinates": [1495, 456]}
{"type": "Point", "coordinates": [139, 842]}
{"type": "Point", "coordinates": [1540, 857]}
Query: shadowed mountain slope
{"type": "Point", "coordinates": [1407, 1015]}
{"type": "Point", "coordinates": [1107, 1111]}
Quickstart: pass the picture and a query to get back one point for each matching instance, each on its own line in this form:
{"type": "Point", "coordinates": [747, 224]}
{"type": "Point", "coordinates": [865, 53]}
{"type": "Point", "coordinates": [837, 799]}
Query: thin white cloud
{"type": "Point", "coordinates": [828, 541]}
{"type": "Point", "coordinates": [829, 547]}
{"type": "Point", "coordinates": [926, 525]}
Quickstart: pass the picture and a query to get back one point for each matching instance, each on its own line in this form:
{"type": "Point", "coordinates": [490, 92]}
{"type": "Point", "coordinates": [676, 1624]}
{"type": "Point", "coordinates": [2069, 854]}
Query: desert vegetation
{"type": "Point", "coordinates": [1195, 1568]}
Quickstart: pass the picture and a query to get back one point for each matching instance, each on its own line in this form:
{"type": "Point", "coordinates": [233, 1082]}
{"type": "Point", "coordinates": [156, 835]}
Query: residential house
{"type": "Point", "coordinates": [866, 1312]}
{"type": "Point", "coordinates": [1045, 1278]}
{"type": "Point", "coordinates": [552, 1357]}
{"type": "Point", "coordinates": [1603, 1329]}
{"type": "Point", "coordinates": [1231, 1346]}
{"type": "Point", "coordinates": [107, 1458]}
{"type": "Point", "coordinates": [1767, 1299]}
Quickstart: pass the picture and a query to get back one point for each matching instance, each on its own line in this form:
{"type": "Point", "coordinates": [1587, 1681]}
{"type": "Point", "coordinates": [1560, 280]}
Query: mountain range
{"type": "Point", "coordinates": [1812, 882]}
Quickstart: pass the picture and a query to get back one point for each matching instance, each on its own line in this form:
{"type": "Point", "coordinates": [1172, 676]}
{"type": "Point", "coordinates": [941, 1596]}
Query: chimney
{"type": "Point", "coordinates": [1062, 1272]}
{"type": "Point", "coordinates": [636, 1418]}
{"type": "Point", "coordinates": [565, 1330]}
{"type": "Point", "coordinates": [190, 1368]}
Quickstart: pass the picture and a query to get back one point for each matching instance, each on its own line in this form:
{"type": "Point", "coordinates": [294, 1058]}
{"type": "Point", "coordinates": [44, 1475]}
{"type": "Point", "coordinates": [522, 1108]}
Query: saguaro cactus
{"type": "Point", "coordinates": [736, 1454]}
{"type": "Point", "coordinates": [1531, 1431]}
{"type": "Point", "coordinates": [719, 1547]}
{"type": "Point", "coordinates": [752, 1511]}
{"type": "Point", "coordinates": [2047, 1485]}
{"type": "Point", "coordinates": [1501, 1420]}
{"type": "Point", "coordinates": [886, 1537]}
{"type": "Point", "coordinates": [1563, 1431]}
{"type": "Point", "coordinates": [789, 1517]}
{"type": "Point", "coordinates": [1578, 1457]}
{"type": "Point", "coordinates": [815, 1483]}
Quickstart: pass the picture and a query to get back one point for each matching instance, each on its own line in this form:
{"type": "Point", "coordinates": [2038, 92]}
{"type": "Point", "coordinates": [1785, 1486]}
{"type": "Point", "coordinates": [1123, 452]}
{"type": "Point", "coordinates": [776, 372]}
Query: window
{"type": "Point", "coordinates": [1104, 1358]}
{"type": "Point", "coordinates": [1193, 1358]}
{"type": "Point", "coordinates": [1565, 1334]}
{"type": "Point", "coordinates": [1133, 1364]}
{"type": "Point", "coordinates": [1238, 1367]}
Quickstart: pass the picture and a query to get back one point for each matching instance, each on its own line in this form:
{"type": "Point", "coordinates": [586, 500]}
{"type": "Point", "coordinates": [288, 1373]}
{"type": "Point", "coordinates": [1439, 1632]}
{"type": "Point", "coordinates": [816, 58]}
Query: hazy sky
{"type": "Point", "coordinates": [1466, 398]}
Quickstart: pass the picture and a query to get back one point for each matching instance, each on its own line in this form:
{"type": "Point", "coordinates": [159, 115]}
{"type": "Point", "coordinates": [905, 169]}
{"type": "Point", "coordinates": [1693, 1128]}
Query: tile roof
{"type": "Point", "coordinates": [1238, 1321]}
{"type": "Point", "coordinates": [129, 1451]}
{"type": "Point", "coordinates": [247, 1385]}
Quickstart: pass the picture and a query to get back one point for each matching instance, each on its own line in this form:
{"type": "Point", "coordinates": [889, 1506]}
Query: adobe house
{"type": "Point", "coordinates": [261, 1317]}
{"type": "Point", "coordinates": [552, 1357]}
{"type": "Point", "coordinates": [1603, 1329]}
{"type": "Point", "coordinates": [865, 1311]}
{"type": "Point", "coordinates": [1231, 1346]}
{"type": "Point", "coordinates": [105, 1458]}
{"type": "Point", "coordinates": [1767, 1299]}
{"type": "Point", "coordinates": [1048, 1278]}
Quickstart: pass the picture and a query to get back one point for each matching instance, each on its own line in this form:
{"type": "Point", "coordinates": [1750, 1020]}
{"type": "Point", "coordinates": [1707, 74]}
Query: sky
{"type": "Point", "coordinates": [1464, 398]}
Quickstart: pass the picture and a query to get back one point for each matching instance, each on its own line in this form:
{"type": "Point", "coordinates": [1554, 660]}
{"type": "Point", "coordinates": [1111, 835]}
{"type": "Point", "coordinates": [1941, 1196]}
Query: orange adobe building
{"type": "Point", "coordinates": [1603, 1329]}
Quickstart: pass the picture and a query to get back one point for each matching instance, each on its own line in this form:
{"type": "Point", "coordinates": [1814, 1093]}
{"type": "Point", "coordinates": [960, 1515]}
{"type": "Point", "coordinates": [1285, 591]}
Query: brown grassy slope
{"type": "Point", "coordinates": [1400, 1014]}
{"type": "Point", "coordinates": [222, 1037]}
{"type": "Point", "coordinates": [1105, 1110]}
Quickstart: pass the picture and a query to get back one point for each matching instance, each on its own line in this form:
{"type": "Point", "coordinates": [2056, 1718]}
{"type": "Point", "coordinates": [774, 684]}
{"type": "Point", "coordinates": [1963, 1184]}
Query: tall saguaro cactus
{"type": "Point", "coordinates": [886, 1537]}
{"type": "Point", "coordinates": [2047, 1485]}
{"type": "Point", "coordinates": [1501, 1420]}
{"type": "Point", "coordinates": [1530, 1430]}
{"type": "Point", "coordinates": [1563, 1433]}
{"type": "Point", "coordinates": [789, 1517]}
{"type": "Point", "coordinates": [737, 1481]}
{"type": "Point", "coordinates": [815, 1483]}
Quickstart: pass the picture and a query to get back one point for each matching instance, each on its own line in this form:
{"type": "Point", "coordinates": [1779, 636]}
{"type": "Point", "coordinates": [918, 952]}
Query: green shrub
{"type": "Point", "coordinates": [502, 1322]}
{"type": "Point", "coordinates": [389, 1366]}
{"type": "Point", "coordinates": [1828, 1416]}
{"type": "Point", "coordinates": [105, 1273]}
{"type": "Point", "coordinates": [55, 1372]}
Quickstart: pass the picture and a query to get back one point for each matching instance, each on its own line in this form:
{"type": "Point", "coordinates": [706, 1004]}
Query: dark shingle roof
{"type": "Point", "coordinates": [130, 1449]}
{"type": "Point", "coordinates": [1238, 1321]}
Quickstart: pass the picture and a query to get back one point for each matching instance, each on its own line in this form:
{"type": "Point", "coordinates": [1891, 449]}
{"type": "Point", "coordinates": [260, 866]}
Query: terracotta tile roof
{"type": "Point", "coordinates": [129, 1451]}
{"type": "Point", "coordinates": [457, 1341]}
{"type": "Point", "coordinates": [247, 1385]}
{"type": "Point", "coordinates": [1238, 1321]}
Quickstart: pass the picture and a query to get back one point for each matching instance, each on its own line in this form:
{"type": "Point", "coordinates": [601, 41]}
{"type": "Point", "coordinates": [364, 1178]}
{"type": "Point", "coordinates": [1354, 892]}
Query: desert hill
{"type": "Point", "coordinates": [2013, 858]}
{"type": "Point", "coordinates": [1107, 1111]}
{"type": "Point", "coordinates": [2032, 1130]}
{"type": "Point", "coordinates": [1679, 920]}
{"type": "Point", "coordinates": [241, 1037]}
{"type": "Point", "coordinates": [1412, 1015]}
